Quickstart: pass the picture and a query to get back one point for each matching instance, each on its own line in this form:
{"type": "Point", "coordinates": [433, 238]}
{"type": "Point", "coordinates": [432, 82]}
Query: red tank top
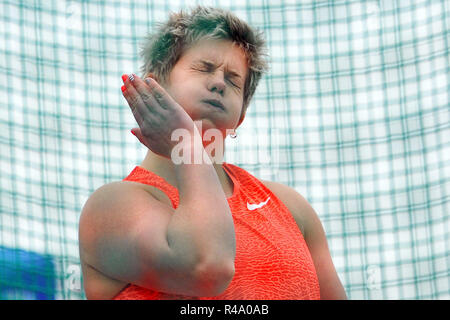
{"type": "Point", "coordinates": [272, 259]}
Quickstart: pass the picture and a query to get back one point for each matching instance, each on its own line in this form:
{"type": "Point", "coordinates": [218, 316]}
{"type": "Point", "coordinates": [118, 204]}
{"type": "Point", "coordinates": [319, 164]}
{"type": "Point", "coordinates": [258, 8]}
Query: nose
{"type": "Point", "coordinates": [217, 84]}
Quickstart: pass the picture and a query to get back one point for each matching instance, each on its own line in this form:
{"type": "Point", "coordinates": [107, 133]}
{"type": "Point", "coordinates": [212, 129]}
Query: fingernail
{"type": "Point", "coordinates": [131, 77]}
{"type": "Point", "coordinates": [133, 132]}
{"type": "Point", "coordinates": [123, 88]}
{"type": "Point", "coordinates": [124, 77]}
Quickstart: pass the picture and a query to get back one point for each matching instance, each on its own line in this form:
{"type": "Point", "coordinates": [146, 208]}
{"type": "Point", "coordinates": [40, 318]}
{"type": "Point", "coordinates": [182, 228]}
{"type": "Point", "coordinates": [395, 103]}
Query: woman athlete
{"type": "Point", "coordinates": [184, 224]}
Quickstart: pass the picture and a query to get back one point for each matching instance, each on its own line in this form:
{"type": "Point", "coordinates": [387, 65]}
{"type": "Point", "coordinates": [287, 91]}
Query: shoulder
{"type": "Point", "coordinates": [112, 194]}
{"type": "Point", "coordinates": [314, 234]}
{"type": "Point", "coordinates": [299, 207]}
{"type": "Point", "coordinates": [103, 211]}
{"type": "Point", "coordinates": [113, 197]}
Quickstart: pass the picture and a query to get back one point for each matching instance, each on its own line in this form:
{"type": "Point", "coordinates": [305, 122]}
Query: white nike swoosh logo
{"type": "Point", "coordinates": [256, 206]}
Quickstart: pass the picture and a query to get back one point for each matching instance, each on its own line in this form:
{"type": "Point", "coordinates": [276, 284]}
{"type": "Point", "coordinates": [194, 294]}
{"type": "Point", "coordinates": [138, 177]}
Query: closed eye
{"type": "Point", "coordinates": [206, 66]}
{"type": "Point", "coordinates": [209, 67]}
{"type": "Point", "coordinates": [233, 84]}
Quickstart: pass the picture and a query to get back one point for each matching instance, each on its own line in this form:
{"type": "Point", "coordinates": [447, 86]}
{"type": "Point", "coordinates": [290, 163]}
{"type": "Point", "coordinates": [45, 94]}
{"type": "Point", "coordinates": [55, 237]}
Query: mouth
{"type": "Point", "coordinates": [214, 103]}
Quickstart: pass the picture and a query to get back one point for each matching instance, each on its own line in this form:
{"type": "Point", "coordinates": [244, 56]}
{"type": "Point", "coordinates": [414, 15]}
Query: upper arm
{"type": "Point", "coordinates": [314, 235]}
{"type": "Point", "coordinates": [122, 234]}
{"type": "Point", "coordinates": [330, 286]}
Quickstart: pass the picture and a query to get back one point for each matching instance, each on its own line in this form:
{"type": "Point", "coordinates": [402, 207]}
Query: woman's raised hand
{"type": "Point", "coordinates": [156, 113]}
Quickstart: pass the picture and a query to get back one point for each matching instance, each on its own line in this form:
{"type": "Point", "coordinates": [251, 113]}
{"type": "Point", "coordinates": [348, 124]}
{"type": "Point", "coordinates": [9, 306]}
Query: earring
{"type": "Point", "coordinates": [233, 135]}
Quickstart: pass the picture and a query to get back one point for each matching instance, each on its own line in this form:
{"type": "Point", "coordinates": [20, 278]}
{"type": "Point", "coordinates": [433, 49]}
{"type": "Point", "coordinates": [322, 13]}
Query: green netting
{"type": "Point", "coordinates": [354, 114]}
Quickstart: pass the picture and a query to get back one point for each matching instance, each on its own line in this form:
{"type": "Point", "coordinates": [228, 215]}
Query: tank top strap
{"type": "Point", "coordinates": [231, 172]}
{"type": "Point", "coordinates": [142, 175]}
{"type": "Point", "coordinates": [242, 178]}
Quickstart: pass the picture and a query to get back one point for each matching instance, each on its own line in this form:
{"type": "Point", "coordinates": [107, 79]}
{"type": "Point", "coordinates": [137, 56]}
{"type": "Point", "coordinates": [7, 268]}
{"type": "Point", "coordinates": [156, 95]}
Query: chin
{"type": "Point", "coordinates": [204, 125]}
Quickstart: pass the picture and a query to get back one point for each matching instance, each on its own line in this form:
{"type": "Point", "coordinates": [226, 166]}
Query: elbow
{"type": "Point", "coordinates": [213, 280]}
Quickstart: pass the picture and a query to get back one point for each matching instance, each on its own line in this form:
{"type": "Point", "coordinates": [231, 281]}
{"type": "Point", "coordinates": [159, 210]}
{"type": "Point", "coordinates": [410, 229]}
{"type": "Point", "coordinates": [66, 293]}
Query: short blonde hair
{"type": "Point", "coordinates": [163, 48]}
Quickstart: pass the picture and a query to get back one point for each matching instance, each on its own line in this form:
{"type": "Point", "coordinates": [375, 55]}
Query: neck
{"type": "Point", "coordinates": [165, 168]}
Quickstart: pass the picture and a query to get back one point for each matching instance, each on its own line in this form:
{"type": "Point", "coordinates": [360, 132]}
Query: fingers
{"type": "Point", "coordinates": [133, 98]}
{"type": "Point", "coordinates": [148, 95]}
{"type": "Point", "coordinates": [147, 99]}
{"type": "Point", "coordinates": [138, 134]}
{"type": "Point", "coordinates": [160, 94]}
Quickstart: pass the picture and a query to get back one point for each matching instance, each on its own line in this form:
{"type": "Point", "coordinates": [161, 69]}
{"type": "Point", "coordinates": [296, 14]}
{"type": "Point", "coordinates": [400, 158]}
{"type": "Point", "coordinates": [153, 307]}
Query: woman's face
{"type": "Point", "coordinates": [211, 72]}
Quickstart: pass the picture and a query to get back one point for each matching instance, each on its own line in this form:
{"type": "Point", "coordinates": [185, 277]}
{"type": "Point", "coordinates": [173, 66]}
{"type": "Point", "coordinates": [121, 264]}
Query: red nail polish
{"type": "Point", "coordinates": [124, 77]}
{"type": "Point", "coordinates": [133, 132]}
{"type": "Point", "coordinates": [123, 88]}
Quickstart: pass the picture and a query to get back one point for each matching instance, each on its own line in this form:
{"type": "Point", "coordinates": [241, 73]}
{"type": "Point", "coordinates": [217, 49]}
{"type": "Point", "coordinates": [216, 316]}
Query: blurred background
{"type": "Point", "coordinates": [354, 114]}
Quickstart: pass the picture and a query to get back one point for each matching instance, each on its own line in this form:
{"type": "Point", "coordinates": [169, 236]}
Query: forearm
{"type": "Point", "coordinates": [202, 228]}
